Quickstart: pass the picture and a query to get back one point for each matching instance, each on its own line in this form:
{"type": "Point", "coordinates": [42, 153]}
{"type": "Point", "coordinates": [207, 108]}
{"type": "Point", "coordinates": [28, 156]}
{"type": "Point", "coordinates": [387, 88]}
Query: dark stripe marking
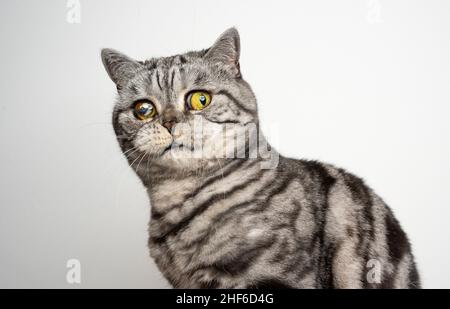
{"type": "Point", "coordinates": [157, 79]}
{"type": "Point", "coordinates": [236, 101]}
{"type": "Point", "coordinates": [202, 208]}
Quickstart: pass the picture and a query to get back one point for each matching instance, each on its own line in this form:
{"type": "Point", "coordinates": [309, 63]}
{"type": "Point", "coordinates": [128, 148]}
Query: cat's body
{"type": "Point", "coordinates": [232, 222]}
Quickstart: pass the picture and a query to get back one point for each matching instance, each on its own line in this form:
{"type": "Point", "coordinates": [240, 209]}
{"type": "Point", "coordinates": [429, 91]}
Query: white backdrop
{"type": "Point", "coordinates": [360, 84]}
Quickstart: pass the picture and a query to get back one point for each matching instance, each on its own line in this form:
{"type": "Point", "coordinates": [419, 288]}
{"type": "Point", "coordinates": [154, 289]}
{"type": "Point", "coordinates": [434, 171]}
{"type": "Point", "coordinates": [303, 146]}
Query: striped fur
{"type": "Point", "coordinates": [221, 222]}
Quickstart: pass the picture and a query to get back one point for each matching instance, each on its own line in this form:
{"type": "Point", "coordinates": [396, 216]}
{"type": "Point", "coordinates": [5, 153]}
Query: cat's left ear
{"type": "Point", "coordinates": [226, 50]}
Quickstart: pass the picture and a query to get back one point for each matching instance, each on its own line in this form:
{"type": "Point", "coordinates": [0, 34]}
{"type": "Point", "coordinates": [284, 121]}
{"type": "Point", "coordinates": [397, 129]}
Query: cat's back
{"type": "Point", "coordinates": [355, 228]}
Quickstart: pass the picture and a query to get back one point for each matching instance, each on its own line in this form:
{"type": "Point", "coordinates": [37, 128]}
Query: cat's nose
{"type": "Point", "coordinates": [169, 125]}
{"type": "Point", "coordinates": [170, 117]}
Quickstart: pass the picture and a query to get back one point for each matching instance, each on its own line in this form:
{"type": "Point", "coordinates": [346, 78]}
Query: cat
{"type": "Point", "coordinates": [238, 220]}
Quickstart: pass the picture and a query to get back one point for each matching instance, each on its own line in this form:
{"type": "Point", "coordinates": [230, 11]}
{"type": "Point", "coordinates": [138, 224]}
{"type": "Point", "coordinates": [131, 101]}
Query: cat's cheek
{"type": "Point", "coordinates": [152, 139]}
{"type": "Point", "coordinates": [128, 123]}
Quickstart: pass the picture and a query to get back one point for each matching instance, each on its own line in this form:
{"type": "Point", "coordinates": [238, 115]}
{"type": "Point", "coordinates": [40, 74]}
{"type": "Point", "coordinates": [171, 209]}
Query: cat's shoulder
{"type": "Point", "coordinates": [324, 171]}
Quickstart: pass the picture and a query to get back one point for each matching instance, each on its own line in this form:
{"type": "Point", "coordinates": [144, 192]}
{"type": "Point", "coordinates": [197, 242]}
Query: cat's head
{"type": "Point", "coordinates": [182, 111]}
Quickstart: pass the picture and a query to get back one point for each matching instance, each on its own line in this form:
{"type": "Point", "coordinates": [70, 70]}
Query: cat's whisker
{"type": "Point", "coordinates": [145, 153]}
{"type": "Point", "coordinates": [130, 152]}
{"type": "Point", "coordinates": [147, 170]}
{"type": "Point", "coordinates": [114, 169]}
{"type": "Point", "coordinates": [135, 160]}
{"type": "Point", "coordinates": [122, 137]}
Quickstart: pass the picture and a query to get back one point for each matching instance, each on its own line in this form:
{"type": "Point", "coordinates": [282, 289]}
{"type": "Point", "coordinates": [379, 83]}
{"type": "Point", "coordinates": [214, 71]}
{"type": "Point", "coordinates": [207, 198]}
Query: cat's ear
{"type": "Point", "coordinates": [120, 67]}
{"type": "Point", "coordinates": [226, 50]}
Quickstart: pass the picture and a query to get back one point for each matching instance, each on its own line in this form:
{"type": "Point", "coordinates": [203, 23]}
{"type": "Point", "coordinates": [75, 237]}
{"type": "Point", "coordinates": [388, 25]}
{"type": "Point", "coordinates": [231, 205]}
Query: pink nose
{"type": "Point", "coordinates": [169, 125]}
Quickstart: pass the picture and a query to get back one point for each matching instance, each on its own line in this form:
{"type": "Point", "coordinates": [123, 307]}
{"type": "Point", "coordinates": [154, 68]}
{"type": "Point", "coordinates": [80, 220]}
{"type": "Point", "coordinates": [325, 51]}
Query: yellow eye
{"type": "Point", "coordinates": [144, 110]}
{"type": "Point", "coordinates": [198, 100]}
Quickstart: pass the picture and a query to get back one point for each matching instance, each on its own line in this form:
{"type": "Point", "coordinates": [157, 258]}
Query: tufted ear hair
{"type": "Point", "coordinates": [120, 67]}
{"type": "Point", "coordinates": [226, 50]}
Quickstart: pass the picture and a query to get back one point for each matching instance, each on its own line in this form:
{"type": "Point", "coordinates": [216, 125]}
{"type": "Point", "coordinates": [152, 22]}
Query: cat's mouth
{"type": "Point", "coordinates": [176, 147]}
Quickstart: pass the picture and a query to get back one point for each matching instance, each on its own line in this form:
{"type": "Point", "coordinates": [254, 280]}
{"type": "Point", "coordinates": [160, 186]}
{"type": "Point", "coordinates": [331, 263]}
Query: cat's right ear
{"type": "Point", "coordinates": [226, 50]}
{"type": "Point", "coordinates": [120, 67]}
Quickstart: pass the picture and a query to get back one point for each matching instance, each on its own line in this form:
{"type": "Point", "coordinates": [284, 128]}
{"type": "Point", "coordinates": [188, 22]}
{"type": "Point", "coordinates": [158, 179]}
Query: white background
{"type": "Point", "coordinates": [361, 84]}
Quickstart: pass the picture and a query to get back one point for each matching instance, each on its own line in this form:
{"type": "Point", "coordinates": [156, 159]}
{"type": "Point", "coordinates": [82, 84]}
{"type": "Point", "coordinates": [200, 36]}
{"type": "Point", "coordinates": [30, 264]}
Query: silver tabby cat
{"type": "Point", "coordinates": [221, 218]}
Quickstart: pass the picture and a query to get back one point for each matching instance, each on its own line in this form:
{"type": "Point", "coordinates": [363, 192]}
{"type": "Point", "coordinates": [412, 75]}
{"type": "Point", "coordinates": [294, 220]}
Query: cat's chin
{"type": "Point", "coordinates": [184, 159]}
{"type": "Point", "coordinates": [175, 154]}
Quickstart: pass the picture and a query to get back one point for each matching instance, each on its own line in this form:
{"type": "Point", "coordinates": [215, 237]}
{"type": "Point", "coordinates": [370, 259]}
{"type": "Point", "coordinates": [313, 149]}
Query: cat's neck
{"type": "Point", "coordinates": [169, 190]}
{"type": "Point", "coordinates": [165, 180]}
